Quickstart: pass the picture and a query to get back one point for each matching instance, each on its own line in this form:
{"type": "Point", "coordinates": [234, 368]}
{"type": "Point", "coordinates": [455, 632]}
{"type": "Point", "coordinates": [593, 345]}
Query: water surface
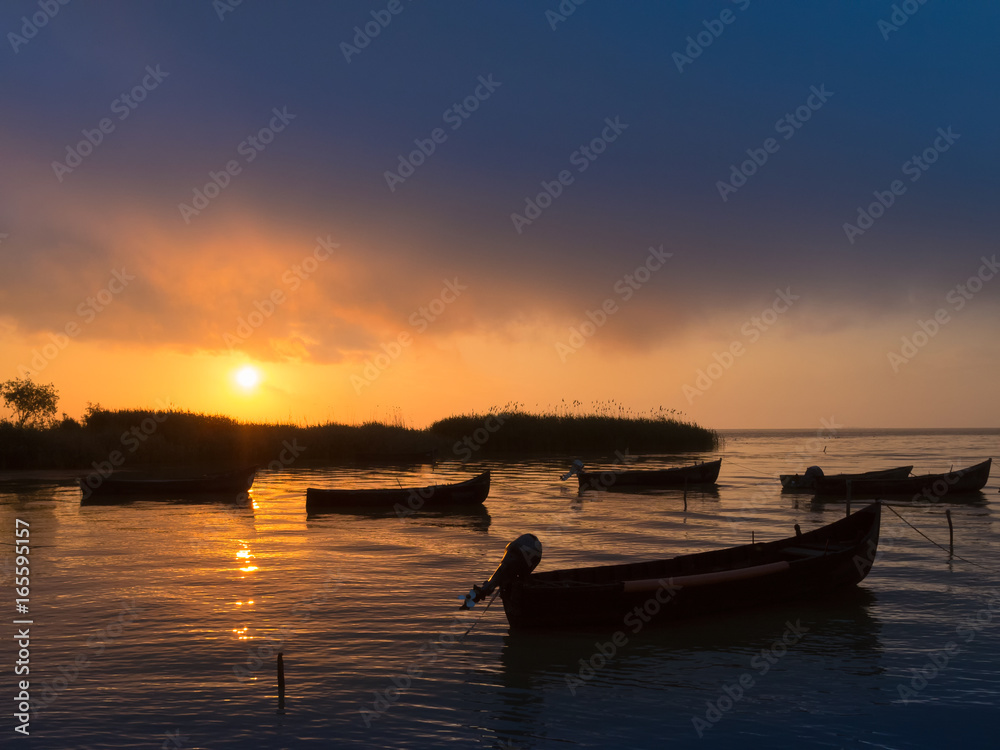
{"type": "Point", "coordinates": [158, 624]}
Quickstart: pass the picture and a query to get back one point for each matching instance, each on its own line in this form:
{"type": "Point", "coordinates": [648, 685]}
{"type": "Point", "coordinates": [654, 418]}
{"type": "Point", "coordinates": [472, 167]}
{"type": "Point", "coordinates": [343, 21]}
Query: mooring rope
{"type": "Point", "coordinates": [957, 557]}
{"type": "Point", "coordinates": [483, 612]}
{"type": "Point", "coordinates": [755, 471]}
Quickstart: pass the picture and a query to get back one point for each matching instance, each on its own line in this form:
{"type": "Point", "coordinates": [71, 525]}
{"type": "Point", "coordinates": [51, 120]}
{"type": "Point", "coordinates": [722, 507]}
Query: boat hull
{"type": "Point", "coordinates": [403, 500]}
{"type": "Point", "coordinates": [613, 479]}
{"type": "Point", "coordinates": [803, 483]}
{"type": "Point", "coordinates": [222, 484]}
{"type": "Point", "coordinates": [928, 486]}
{"type": "Point", "coordinates": [635, 595]}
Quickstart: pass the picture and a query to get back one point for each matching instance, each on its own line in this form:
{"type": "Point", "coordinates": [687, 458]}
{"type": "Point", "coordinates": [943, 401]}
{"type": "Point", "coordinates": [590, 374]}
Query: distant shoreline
{"type": "Point", "coordinates": [123, 440]}
{"type": "Point", "coordinates": [859, 431]}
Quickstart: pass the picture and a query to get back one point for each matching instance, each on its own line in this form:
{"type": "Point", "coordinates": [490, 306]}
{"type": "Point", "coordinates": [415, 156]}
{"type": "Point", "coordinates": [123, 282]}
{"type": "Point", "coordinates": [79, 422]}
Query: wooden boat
{"type": "Point", "coordinates": [630, 479]}
{"type": "Point", "coordinates": [927, 486]}
{"type": "Point", "coordinates": [408, 499]}
{"type": "Point", "coordinates": [129, 486]}
{"type": "Point", "coordinates": [632, 595]}
{"type": "Point", "coordinates": [807, 482]}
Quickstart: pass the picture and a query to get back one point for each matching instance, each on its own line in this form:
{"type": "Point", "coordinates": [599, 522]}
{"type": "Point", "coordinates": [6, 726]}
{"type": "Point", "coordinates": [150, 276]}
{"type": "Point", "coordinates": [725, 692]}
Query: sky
{"type": "Point", "coordinates": [762, 215]}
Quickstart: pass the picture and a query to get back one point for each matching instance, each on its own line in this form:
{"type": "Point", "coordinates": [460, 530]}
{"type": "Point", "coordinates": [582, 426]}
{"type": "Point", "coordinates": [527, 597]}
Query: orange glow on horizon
{"type": "Point", "coordinates": [417, 387]}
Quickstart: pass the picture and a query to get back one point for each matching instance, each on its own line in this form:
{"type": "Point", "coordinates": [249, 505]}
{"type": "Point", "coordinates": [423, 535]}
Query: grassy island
{"type": "Point", "coordinates": [141, 438]}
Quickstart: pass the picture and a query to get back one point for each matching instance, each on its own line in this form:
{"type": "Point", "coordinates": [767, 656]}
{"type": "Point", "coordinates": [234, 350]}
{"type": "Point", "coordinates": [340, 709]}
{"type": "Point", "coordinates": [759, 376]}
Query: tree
{"type": "Point", "coordinates": [32, 404]}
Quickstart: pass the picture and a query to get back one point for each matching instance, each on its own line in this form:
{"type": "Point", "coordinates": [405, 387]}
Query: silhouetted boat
{"type": "Point", "coordinates": [929, 486]}
{"type": "Point", "coordinates": [131, 486]}
{"type": "Point", "coordinates": [807, 482]}
{"type": "Point", "coordinates": [470, 492]}
{"type": "Point", "coordinates": [631, 595]}
{"type": "Point", "coordinates": [627, 479]}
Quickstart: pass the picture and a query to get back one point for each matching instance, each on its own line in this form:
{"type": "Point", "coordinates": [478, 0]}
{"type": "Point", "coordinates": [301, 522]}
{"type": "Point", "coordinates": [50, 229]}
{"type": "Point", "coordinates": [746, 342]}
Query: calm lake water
{"type": "Point", "coordinates": [157, 625]}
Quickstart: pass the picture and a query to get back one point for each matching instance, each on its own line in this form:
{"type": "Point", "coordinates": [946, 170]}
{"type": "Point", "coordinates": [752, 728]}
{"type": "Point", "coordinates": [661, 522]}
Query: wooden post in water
{"type": "Point", "coordinates": [951, 533]}
{"type": "Point", "coordinates": [848, 497]}
{"type": "Point", "coordinates": [281, 685]}
{"type": "Point", "coordinates": [685, 494]}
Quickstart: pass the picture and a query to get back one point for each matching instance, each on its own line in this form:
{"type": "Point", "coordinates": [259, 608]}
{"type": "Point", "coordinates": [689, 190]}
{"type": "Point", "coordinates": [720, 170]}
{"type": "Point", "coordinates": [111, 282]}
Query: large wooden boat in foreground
{"type": "Point", "coordinates": [636, 594]}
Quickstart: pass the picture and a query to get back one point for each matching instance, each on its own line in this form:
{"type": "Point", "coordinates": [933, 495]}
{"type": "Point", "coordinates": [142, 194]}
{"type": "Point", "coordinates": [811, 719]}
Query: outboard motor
{"type": "Point", "coordinates": [575, 469]}
{"type": "Point", "coordinates": [520, 558]}
{"type": "Point", "coordinates": [813, 473]}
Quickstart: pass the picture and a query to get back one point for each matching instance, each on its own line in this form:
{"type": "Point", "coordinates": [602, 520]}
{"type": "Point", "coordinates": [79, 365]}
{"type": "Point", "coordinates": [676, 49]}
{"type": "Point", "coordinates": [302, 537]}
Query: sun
{"type": "Point", "coordinates": [247, 377]}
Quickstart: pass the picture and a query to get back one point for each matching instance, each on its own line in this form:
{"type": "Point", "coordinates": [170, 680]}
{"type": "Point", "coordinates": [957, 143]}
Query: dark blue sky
{"type": "Point", "coordinates": [656, 183]}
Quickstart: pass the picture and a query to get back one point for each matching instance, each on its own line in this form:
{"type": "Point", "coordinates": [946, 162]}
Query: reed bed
{"type": "Point", "coordinates": [142, 438]}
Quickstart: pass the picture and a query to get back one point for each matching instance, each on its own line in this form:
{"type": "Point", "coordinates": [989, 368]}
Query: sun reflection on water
{"type": "Point", "coordinates": [245, 556]}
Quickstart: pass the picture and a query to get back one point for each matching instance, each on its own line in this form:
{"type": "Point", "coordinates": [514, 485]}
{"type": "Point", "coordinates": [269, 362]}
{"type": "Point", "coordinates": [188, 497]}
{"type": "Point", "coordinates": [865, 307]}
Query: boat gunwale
{"type": "Point", "coordinates": [112, 485]}
{"type": "Point", "coordinates": [467, 493]}
{"type": "Point", "coordinates": [765, 552]}
{"type": "Point", "coordinates": [976, 474]}
{"type": "Point", "coordinates": [592, 479]}
{"type": "Point", "coordinates": [853, 474]}
{"type": "Point", "coordinates": [333, 492]}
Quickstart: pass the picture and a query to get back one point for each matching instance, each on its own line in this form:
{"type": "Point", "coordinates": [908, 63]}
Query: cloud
{"type": "Point", "coordinates": [209, 284]}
